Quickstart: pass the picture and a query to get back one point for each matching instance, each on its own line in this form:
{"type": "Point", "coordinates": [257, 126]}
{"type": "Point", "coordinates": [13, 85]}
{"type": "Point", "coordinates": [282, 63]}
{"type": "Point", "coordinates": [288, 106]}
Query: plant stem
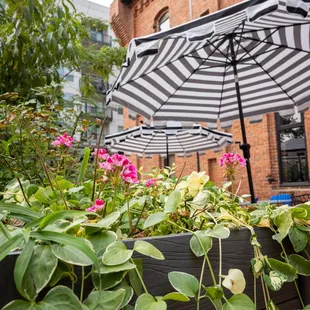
{"type": "Point", "coordinates": [96, 159]}
{"type": "Point", "coordinates": [180, 227]}
{"type": "Point", "coordinates": [295, 283]}
{"type": "Point", "coordinates": [220, 262]}
{"type": "Point", "coordinates": [129, 216]}
{"type": "Point", "coordinates": [255, 297]}
{"type": "Point", "coordinates": [200, 281]}
{"type": "Point", "coordinates": [82, 284]}
{"type": "Point", "coordinates": [139, 276]}
{"type": "Point", "coordinates": [264, 292]}
{"type": "Point", "coordinates": [307, 254]}
{"type": "Point", "coordinates": [179, 176]}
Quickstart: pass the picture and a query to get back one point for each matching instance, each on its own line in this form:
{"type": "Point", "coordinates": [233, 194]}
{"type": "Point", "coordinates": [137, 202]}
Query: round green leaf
{"type": "Point", "coordinates": [110, 269]}
{"type": "Point", "coordinates": [101, 240]}
{"type": "Point", "coordinates": [61, 298]}
{"type": "Point", "coordinates": [298, 238]}
{"type": "Point", "coordinates": [173, 201]}
{"type": "Point", "coordinates": [107, 300]}
{"type": "Point", "coordinates": [301, 264]}
{"type": "Point", "coordinates": [200, 243]}
{"type": "Point", "coordinates": [21, 305]}
{"type": "Point", "coordinates": [148, 249]}
{"type": "Point", "coordinates": [184, 283]}
{"type": "Point", "coordinates": [176, 296]}
{"type": "Point", "coordinates": [108, 280]}
{"type": "Point", "coordinates": [39, 271]}
{"type": "Point", "coordinates": [275, 280]}
{"type": "Point", "coordinates": [154, 219]}
{"type": "Point", "coordinates": [214, 292]}
{"type": "Point", "coordinates": [71, 255]}
{"type": "Point", "coordinates": [283, 268]}
{"type": "Point", "coordinates": [239, 302]}
{"type": "Point", "coordinates": [148, 302]}
{"type": "Point", "coordinates": [219, 232]}
{"type": "Point", "coordinates": [116, 254]}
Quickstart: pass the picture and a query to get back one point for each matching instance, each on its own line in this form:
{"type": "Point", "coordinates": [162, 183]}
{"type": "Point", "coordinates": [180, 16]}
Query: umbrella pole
{"type": "Point", "coordinates": [167, 151]}
{"type": "Point", "coordinates": [245, 147]}
{"type": "Point", "coordinates": [198, 161]}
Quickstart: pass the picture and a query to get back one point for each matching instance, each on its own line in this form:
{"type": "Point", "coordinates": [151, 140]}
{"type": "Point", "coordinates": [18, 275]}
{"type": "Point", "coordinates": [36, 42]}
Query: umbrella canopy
{"type": "Point", "coordinates": [244, 61]}
{"type": "Point", "coordinates": [144, 140]}
{"type": "Point", "coordinates": [188, 72]}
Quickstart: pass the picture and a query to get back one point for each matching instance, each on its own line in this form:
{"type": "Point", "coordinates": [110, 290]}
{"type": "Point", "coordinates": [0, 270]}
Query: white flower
{"type": "Point", "coordinates": [196, 181]}
{"type": "Point", "coordinates": [235, 281]}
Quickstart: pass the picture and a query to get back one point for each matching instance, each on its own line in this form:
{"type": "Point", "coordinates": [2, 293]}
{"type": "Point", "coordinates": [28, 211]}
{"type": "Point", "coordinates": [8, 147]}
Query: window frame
{"type": "Point", "coordinates": [279, 128]}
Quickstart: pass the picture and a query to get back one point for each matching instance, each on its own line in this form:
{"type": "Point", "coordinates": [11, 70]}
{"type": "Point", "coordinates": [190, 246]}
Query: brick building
{"type": "Point", "coordinates": [278, 145]}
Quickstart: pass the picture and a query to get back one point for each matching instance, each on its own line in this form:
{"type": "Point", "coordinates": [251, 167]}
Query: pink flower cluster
{"type": "Point", "coordinates": [121, 163]}
{"type": "Point", "coordinates": [101, 153]}
{"type": "Point", "coordinates": [151, 182]}
{"type": "Point", "coordinates": [99, 204]}
{"type": "Point", "coordinates": [231, 159]}
{"type": "Point", "coordinates": [63, 140]}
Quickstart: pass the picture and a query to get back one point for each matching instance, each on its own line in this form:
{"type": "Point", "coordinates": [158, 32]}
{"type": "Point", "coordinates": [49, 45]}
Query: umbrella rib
{"type": "Point", "coordinates": [274, 44]}
{"type": "Point", "coordinates": [188, 77]}
{"type": "Point", "coordinates": [259, 42]}
{"type": "Point", "coordinates": [153, 136]}
{"type": "Point", "coordinates": [267, 73]}
{"type": "Point", "coordinates": [249, 58]}
{"type": "Point", "coordinates": [180, 143]}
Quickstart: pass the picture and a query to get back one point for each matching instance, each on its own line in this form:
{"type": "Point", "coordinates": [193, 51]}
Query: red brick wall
{"type": "Point", "coordinates": [139, 19]}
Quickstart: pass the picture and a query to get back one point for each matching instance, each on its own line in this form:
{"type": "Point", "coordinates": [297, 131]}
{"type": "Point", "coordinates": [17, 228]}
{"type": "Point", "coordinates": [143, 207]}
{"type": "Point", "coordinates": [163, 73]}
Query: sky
{"type": "Point", "coordinates": [103, 2]}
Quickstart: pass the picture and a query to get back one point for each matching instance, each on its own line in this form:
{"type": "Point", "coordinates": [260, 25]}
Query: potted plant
{"type": "Point", "coordinates": [116, 242]}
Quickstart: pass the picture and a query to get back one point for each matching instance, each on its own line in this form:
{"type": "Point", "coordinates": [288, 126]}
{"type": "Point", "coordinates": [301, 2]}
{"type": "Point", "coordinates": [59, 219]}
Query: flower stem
{"type": "Point", "coordinates": [200, 281]}
{"type": "Point", "coordinates": [139, 276]}
{"type": "Point", "coordinates": [82, 284]}
{"type": "Point", "coordinates": [129, 216]}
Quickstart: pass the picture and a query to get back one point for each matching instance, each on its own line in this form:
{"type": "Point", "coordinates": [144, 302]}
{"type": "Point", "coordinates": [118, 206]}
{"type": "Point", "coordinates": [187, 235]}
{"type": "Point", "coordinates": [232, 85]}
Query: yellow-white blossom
{"type": "Point", "coordinates": [235, 281]}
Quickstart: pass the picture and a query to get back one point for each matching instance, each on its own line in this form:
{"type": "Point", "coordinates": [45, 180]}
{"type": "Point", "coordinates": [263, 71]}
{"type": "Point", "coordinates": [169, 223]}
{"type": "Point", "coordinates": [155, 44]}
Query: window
{"type": "Point", "coordinates": [292, 149]}
{"type": "Point", "coordinates": [120, 110]}
{"type": "Point", "coordinates": [164, 22]}
{"type": "Point", "coordinates": [120, 128]}
{"type": "Point", "coordinates": [205, 13]}
{"type": "Point", "coordinates": [99, 36]}
{"type": "Point", "coordinates": [68, 96]}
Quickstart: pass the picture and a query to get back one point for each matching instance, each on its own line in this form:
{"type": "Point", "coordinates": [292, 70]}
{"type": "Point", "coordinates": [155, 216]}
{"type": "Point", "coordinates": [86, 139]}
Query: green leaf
{"type": "Point", "coordinates": [148, 302]}
{"type": "Point", "coordinates": [257, 267]}
{"type": "Point", "coordinates": [39, 271]}
{"type": "Point", "coordinates": [101, 240]}
{"type": "Point", "coordinates": [154, 219]}
{"type": "Point", "coordinates": [176, 296]}
{"type": "Point", "coordinates": [23, 213]}
{"type": "Point", "coordinates": [219, 232]}
{"type": "Point", "coordinates": [284, 222]}
{"type": "Point", "coordinates": [62, 215]}
{"type": "Point", "coordinates": [21, 305]}
{"type": "Point", "coordinates": [148, 249]}
{"type": "Point", "coordinates": [306, 308]}
{"type": "Point", "coordinates": [10, 245]}
{"type": "Point", "coordinates": [74, 190]}
{"type": "Point", "coordinates": [110, 269]}
{"type": "Point", "coordinates": [301, 264]}
{"type": "Point", "coordinates": [133, 276]}
{"type": "Point", "coordinates": [105, 300]}
{"type": "Point", "coordinates": [275, 280]}
{"type": "Point", "coordinates": [173, 201]}
{"type": "Point", "coordinates": [299, 213]}
{"type": "Point", "coordinates": [108, 280]}
{"type": "Point", "coordinates": [78, 243]}
{"type": "Point", "coordinates": [239, 302]}
{"type": "Point", "coordinates": [83, 165]}
{"type": "Point", "coordinates": [282, 268]}
{"type": "Point", "coordinates": [215, 294]}
{"type": "Point", "coordinates": [298, 238]}
{"type": "Point", "coordinates": [42, 196]}
{"type": "Point", "coordinates": [200, 243]}
{"type": "Point", "coordinates": [104, 223]}
{"type": "Point", "coordinates": [61, 298]}
{"type": "Point", "coordinates": [21, 265]}
{"type": "Point", "coordinates": [116, 254]}
{"type": "Point", "coordinates": [71, 255]}
{"type": "Point", "coordinates": [63, 184]}
{"type": "Point", "coordinates": [128, 294]}
{"type": "Point", "coordinates": [184, 283]}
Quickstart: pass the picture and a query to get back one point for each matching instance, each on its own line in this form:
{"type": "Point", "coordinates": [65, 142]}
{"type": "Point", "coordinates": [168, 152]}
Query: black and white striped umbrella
{"type": "Point", "coordinates": [244, 61]}
{"type": "Point", "coordinates": [144, 140]}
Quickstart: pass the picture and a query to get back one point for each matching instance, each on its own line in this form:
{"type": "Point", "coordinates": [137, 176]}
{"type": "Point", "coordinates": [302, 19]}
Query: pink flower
{"type": "Point", "coordinates": [129, 174]}
{"type": "Point", "coordinates": [119, 160]}
{"type": "Point", "coordinates": [63, 140]}
{"type": "Point", "coordinates": [231, 159]}
{"type": "Point", "coordinates": [102, 153]}
{"type": "Point", "coordinates": [99, 204]}
{"type": "Point", "coordinates": [151, 182]}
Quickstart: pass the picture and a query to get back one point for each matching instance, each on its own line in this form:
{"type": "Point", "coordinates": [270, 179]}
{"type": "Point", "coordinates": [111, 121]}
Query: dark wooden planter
{"type": "Point", "coordinates": [237, 253]}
